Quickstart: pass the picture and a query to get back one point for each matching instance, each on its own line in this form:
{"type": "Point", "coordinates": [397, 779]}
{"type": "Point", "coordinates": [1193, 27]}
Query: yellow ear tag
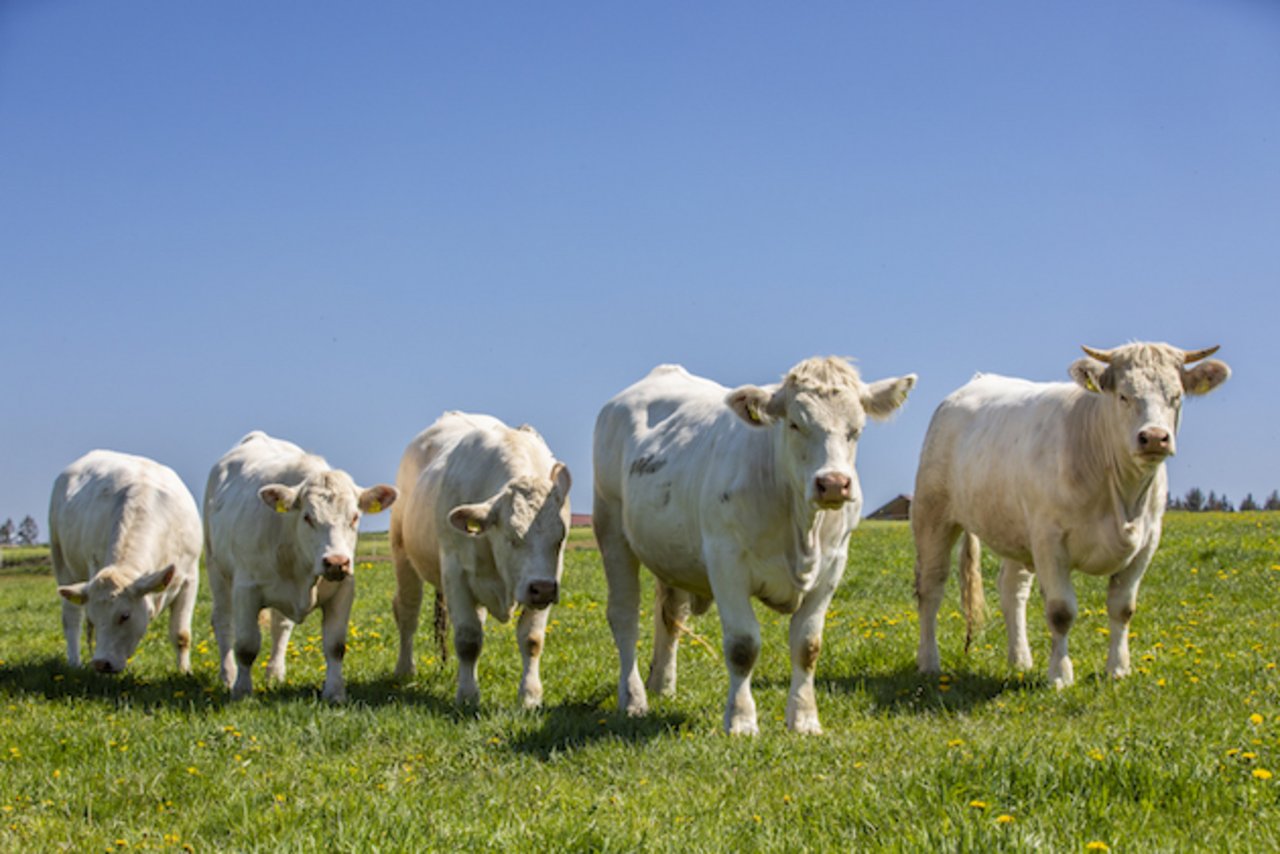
{"type": "Point", "coordinates": [280, 508]}
{"type": "Point", "coordinates": [753, 414]}
{"type": "Point", "coordinates": [375, 506]}
{"type": "Point", "coordinates": [473, 527]}
{"type": "Point", "coordinates": [1089, 384]}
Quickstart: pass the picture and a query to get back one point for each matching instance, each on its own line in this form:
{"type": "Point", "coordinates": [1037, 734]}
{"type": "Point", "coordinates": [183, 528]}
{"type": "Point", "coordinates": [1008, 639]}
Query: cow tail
{"type": "Point", "coordinates": [442, 626]}
{"type": "Point", "coordinates": [972, 601]}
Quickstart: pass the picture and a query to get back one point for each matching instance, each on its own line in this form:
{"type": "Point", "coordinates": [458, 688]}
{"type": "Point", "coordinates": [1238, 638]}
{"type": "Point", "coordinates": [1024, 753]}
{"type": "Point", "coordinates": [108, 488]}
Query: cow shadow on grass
{"type": "Point", "coordinates": [578, 724]}
{"type": "Point", "coordinates": [906, 691]}
{"type": "Point", "coordinates": [54, 680]}
{"type": "Point", "coordinates": [57, 681]}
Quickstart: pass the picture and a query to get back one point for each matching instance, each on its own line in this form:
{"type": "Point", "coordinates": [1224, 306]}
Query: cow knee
{"type": "Point", "coordinates": [467, 641]}
{"type": "Point", "coordinates": [338, 650]}
{"type": "Point", "coordinates": [810, 648]}
{"type": "Point", "coordinates": [1123, 614]}
{"type": "Point", "coordinates": [183, 640]}
{"type": "Point", "coordinates": [1061, 615]}
{"type": "Point", "coordinates": [533, 645]}
{"type": "Point", "coordinates": [245, 656]}
{"type": "Point", "coordinates": [741, 652]}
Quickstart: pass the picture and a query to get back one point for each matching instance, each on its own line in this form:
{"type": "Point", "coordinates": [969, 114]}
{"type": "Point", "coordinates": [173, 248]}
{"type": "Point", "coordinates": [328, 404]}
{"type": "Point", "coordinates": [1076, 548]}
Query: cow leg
{"type": "Point", "coordinates": [406, 606]}
{"type": "Point", "coordinates": [934, 542]}
{"type": "Point", "coordinates": [246, 605]}
{"type": "Point", "coordinates": [1122, 601]}
{"type": "Point", "coordinates": [671, 607]}
{"type": "Point", "coordinates": [530, 632]}
{"type": "Point", "coordinates": [1059, 609]}
{"type": "Point", "coordinates": [622, 571]}
{"type": "Point", "coordinates": [741, 632]}
{"type": "Point", "coordinates": [72, 618]}
{"type": "Point", "coordinates": [333, 633]}
{"type": "Point", "coordinates": [220, 587]}
{"type": "Point", "coordinates": [806, 643]}
{"type": "Point", "coordinates": [1014, 582]}
{"type": "Point", "coordinates": [180, 611]}
{"type": "Point", "coordinates": [468, 630]}
{"type": "Point", "coordinates": [281, 629]}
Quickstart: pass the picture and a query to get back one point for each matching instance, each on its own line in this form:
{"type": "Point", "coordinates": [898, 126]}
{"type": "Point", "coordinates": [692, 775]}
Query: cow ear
{"type": "Point", "coordinates": [375, 499]}
{"type": "Point", "coordinates": [883, 397]}
{"type": "Point", "coordinates": [74, 593]}
{"type": "Point", "coordinates": [279, 497]}
{"type": "Point", "coordinates": [752, 404]}
{"type": "Point", "coordinates": [560, 477]}
{"type": "Point", "coordinates": [471, 519]}
{"type": "Point", "coordinates": [1205, 377]}
{"type": "Point", "coordinates": [1089, 374]}
{"type": "Point", "coordinates": [154, 581]}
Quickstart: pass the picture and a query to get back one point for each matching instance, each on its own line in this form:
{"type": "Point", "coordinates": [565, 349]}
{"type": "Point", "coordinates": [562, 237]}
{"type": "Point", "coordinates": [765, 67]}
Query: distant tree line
{"type": "Point", "coordinates": [1196, 501]}
{"type": "Point", "coordinates": [26, 533]}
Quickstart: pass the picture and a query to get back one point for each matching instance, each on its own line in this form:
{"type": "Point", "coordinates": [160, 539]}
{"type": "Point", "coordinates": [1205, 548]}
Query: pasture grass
{"type": "Point", "coordinates": [1176, 757]}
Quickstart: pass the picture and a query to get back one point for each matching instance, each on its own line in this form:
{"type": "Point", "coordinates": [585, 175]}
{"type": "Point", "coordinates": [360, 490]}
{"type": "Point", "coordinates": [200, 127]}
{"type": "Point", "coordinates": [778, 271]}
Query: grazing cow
{"type": "Point", "coordinates": [727, 495]}
{"type": "Point", "coordinates": [1053, 477]}
{"type": "Point", "coordinates": [124, 538]}
{"type": "Point", "coordinates": [280, 532]}
{"type": "Point", "coordinates": [484, 519]}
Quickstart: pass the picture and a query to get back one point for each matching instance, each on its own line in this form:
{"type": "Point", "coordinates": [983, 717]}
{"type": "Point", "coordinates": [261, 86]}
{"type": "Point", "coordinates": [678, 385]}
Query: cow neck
{"type": "Point", "coordinates": [804, 522]}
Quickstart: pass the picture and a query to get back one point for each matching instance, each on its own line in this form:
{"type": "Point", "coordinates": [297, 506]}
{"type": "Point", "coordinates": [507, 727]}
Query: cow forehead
{"type": "Point", "coordinates": [1147, 368]}
{"type": "Point", "coordinates": [330, 490]}
{"type": "Point", "coordinates": [531, 506]}
{"type": "Point", "coordinates": [831, 408]}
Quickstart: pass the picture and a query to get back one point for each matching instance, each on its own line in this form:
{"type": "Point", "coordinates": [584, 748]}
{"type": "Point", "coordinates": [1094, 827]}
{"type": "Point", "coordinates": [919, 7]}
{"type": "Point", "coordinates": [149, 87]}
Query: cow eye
{"type": "Point", "coordinates": [794, 426]}
{"type": "Point", "coordinates": [122, 619]}
{"type": "Point", "coordinates": [854, 434]}
{"type": "Point", "coordinates": [306, 517]}
{"type": "Point", "coordinates": [355, 520]}
{"type": "Point", "coordinates": [1124, 399]}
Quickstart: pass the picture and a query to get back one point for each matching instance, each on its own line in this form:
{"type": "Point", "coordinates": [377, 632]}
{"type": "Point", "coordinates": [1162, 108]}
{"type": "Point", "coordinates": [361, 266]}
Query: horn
{"type": "Point", "coordinates": [1100, 355]}
{"type": "Point", "coordinates": [1189, 356]}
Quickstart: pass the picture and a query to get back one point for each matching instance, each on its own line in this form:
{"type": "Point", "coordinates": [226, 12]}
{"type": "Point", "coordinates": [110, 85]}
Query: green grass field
{"type": "Point", "coordinates": [1179, 756]}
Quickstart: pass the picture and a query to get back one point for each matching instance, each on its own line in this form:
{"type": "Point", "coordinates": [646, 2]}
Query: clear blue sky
{"type": "Point", "coordinates": [334, 221]}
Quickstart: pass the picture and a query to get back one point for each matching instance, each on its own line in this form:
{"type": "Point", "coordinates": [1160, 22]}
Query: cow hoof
{"type": "Point", "coordinates": [336, 697]}
{"type": "Point", "coordinates": [1118, 673]}
{"type": "Point", "coordinates": [807, 725]}
{"type": "Point", "coordinates": [743, 727]}
{"type": "Point", "coordinates": [1020, 661]}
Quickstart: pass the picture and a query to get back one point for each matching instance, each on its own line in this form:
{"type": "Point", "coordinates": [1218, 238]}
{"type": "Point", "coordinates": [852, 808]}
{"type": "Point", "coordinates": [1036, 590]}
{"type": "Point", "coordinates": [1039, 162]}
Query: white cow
{"type": "Point", "coordinates": [280, 532]}
{"type": "Point", "coordinates": [1053, 477]}
{"type": "Point", "coordinates": [124, 538]}
{"type": "Point", "coordinates": [484, 518]}
{"type": "Point", "coordinates": [729, 495]}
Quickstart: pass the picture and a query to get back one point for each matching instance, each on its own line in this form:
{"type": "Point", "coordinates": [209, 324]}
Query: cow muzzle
{"type": "Point", "coordinates": [1155, 443]}
{"type": "Point", "coordinates": [542, 593]}
{"type": "Point", "coordinates": [336, 567]}
{"type": "Point", "coordinates": [832, 490]}
{"type": "Point", "coordinates": [103, 666]}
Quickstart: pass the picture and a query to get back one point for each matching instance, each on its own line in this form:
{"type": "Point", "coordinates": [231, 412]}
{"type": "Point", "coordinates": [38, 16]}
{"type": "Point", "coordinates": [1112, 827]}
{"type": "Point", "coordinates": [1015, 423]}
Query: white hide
{"type": "Point", "coordinates": [124, 538]}
{"type": "Point", "coordinates": [730, 495]}
{"type": "Point", "coordinates": [1053, 477]}
{"type": "Point", "coordinates": [280, 532]}
{"type": "Point", "coordinates": [483, 517]}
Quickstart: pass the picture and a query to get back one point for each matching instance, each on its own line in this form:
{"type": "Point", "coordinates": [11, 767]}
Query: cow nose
{"type": "Point", "coordinates": [336, 567]}
{"type": "Point", "coordinates": [103, 666]}
{"type": "Point", "coordinates": [543, 592]}
{"type": "Point", "coordinates": [832, 487]}
{"type": "Point", "coordinates": [1154, 439]}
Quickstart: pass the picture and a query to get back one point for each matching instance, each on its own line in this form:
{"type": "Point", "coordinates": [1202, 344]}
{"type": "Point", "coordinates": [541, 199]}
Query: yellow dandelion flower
{"type": "Point", "coordinates": [757, 819]}
{"type": "Point", "coordinates": [955, 742]}
{"type": "Point", "coordinates": [1097, 755]}
{"type": "Point", "coordinates": [978, 805]}
{"type": "Point", "coordinates": [1004, 819]}
{"type": "Point", "coordinates": [1262, 773]}
{"type": "Point", "coordinates": [1097, 845]}
{"type": "Point", "coordinates": [193, 771]}
{"type": "Point", "coordinates": [1255, 718]}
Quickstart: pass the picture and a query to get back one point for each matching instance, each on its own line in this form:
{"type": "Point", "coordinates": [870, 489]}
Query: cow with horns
{"type": "Point", "coordinates": [1053, 477]}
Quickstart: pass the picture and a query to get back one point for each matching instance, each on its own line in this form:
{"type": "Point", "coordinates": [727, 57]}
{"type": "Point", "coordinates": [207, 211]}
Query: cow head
{"type": "Point", "coordinates": [526, 524]}
{"type": "Point", "coordinates": [324, 514]}
{"type": "Point", "coordinates": [119, 610]}
{"type": "Point", "coordinates": [818, 413]}
{"type": "Point", "coordinates": [1141, 386]}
